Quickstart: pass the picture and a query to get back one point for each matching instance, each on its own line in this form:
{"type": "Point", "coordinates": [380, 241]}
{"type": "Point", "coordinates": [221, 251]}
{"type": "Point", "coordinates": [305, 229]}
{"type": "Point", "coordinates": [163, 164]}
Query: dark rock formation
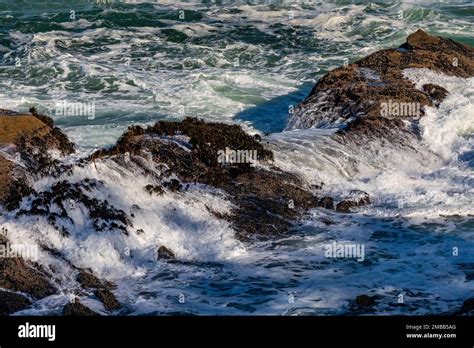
{"type": "Point", "coordinates": [102, 289]}
{"type": "Point", "coordinates": [65, 195]}
{"type": "Point", "coordinates": [107, 298]}
{"type": "Point", "coordinates": [355, 199]}
{"type": "Point", "coordinates": [77, 309]}
{"type": "Point", "coordinates": [154, 189]}
{"type": "Point", "coordinates": [436, 93]}
{"type": "Point", "coordinates": [173, 185]}
{"type": "Point", "coordinates": [365, 300]}
{"type": "Point", "coordinates": [164, 253]}
{"type": "Point", "coordinates": [355, 95]}
{"type": "Point", "coordinates": [27, 139]}
{"type": "Point", "coordinates": [466, 308]}
{"type": "Point", "coordinates": [326, 202]}
{"type": "Point", "coordinates": [17, 274]}
{"type": "Point", "coordinates": [364, 303]}
{"type": "Point", "coordinates": [90, 281]}
{"type": "Point", "coordinates": [11, 302]}
{"type": "Point", "coordinates": [267, 201]}
{"type": "Point", "coordinates": [345, 206]}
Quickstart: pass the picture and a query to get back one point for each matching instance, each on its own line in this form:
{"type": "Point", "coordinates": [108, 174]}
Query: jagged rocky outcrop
{"type": "Point", "coordinates": [18, 277]}
{"type": "Point", "coordinates": [267, 200]}
{"type": "Point", "coordinates": [353, 97]}
{"type": "Point", "coordinates": [27, 142]}
{"type": "Point", "coordinates": [31, 148]}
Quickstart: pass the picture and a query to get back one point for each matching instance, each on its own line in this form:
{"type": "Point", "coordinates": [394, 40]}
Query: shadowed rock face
{"type": "Point", "coordinates": [11, 302]}
{"type": "Point", "coordinates": [354, 95]}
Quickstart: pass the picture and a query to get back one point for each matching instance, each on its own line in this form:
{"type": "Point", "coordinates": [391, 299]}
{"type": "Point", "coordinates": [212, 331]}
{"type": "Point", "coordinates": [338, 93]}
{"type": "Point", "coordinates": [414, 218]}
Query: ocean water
{"type": "Point", "coordinates": [247, 63]}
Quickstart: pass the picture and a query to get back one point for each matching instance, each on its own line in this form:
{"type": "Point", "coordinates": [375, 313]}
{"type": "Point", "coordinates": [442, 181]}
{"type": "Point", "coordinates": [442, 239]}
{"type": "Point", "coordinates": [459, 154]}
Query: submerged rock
{"type": "Point", "coordinates": [364, 303]}
{"type": "Point", "coordinates": [88, 280]}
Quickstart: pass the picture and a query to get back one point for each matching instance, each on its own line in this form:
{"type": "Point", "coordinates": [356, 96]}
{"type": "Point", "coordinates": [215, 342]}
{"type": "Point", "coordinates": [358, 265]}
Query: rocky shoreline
{"type": "Point", "coordinates": [266, 201]}
{"type": "Point", "coordinates": [352, 96]}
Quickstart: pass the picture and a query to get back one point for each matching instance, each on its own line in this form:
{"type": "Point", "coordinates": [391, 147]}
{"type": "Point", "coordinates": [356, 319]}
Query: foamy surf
{"type": "Point", "coordinates": [212, 66]}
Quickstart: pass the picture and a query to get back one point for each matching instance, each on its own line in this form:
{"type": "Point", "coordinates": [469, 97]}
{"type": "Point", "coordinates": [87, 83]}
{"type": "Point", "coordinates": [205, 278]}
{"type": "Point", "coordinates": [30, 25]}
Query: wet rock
{"type": "Point", "coordinates": [77, 309]}
{"type": "Point", "coordinates": [436, 93]}
{"type": "Point", "coordinates": [355, 95]}
{"type": "Point", "coordinates": [56, 203]}
{"type": "Point", "coordinates": [20, 275]}
{"type": "Point", "coordinates": [345, 206]}
{"type": "Point", "coordinates": [17, 274]}
{"type": "Point", "coordinates": [359, 197]}
{"type": "Point", "coordinates": [466, 308]}
{"type": "Point", "coordinates": [154, 189]}
{"type": "Point", "coordinates": [17, 188]}
{"type": "Point", "coordinates": [57, 139]}
{"type": "Point", "coordinates": [14, 183]}
{"type": "Point", "coordinates": [5, 177]}
{"type": "Point", "coordinates": [365, 301]}
{"type": "Point", "coordinates": [327, 221]}
{"type": "Point", "coordinates": [364, 304]}
{"type": "Point", "coordinates": [188, 152]}
{"type": "Point", "coordinates": [367, 128]}
{"type": "Point", "coordinates": [355, 199]}
{"type": "Point", "coordinates": [88, 280]}
{"type": "Point", "coordinates": [326, 202]}
{"type": "Point", "coordinates": [173, 185]}
{"type": "Point", "coordinates": [107, 298]}
{"type": "Point", "coordinates": [102, 289]}
{"type": "Point", "coordinates": [11, 303]}
{"type": "Point", "coordinates": [28, 140]}
{"type": "Point", "coordinates": [165, 254]}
